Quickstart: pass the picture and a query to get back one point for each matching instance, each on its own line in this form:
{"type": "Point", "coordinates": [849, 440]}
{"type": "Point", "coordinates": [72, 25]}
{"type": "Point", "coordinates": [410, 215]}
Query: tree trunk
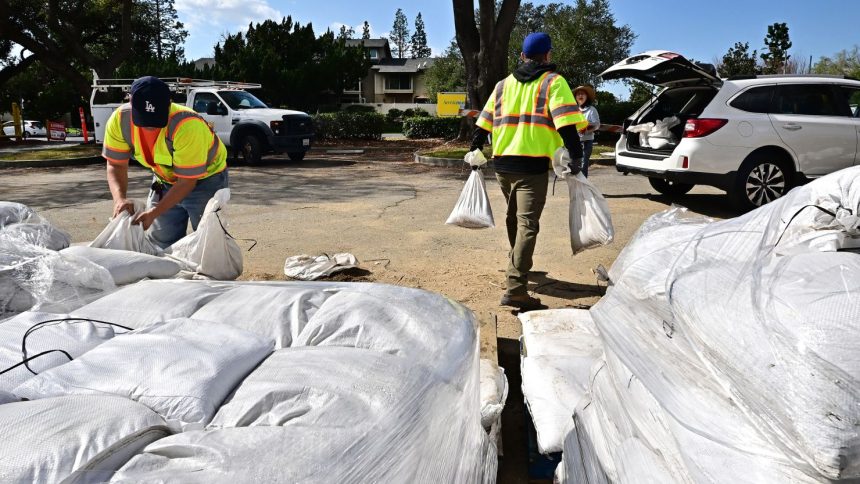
{"type": "Point", "coordinates": [484, 44]}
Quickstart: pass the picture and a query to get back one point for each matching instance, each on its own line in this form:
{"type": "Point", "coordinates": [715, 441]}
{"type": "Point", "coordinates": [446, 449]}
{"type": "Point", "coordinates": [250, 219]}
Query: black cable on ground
{"type": "Point", "coordinates": [42, 324]}
{"type": "Point", "coordinates": [27, 360]}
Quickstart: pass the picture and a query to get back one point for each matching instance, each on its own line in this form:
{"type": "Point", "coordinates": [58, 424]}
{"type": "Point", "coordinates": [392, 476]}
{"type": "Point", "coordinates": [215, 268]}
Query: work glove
{"type": "Point", "coordinates": [475, 159]}
{"type": "Point", "coordinates": [575, 166]}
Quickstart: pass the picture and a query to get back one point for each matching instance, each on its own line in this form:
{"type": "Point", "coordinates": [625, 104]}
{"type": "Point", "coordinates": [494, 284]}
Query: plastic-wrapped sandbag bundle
{"type": "Point", "coordinates": [126, 266]}
{"type": "Point", "coordinates": [15, 213]}
{"type": "Point", "coordinates": [121, 234]}
{"type": "Point", "coordinates": [40, 278]}
{"type": "Point", "coordinates": [589, 218]}
{"type": "Point", "coordinates": [372, 383]}
{"type": "Point", "coordinates": [494, 393]}
{"type": "Point", "coordinates": [472, 209]}
{"type": "Point", "coordinates": [731, 347]}
{"type": "Point", "coordinates": [74, 439]}
{"type": "Point", "coordinates": [41, 234]}
{"type": "Point", "coordinates": [210, 251]}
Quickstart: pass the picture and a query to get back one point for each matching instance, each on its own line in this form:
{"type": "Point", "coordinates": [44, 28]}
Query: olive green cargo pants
{"type": "Point", "coordinates": [526, 197]}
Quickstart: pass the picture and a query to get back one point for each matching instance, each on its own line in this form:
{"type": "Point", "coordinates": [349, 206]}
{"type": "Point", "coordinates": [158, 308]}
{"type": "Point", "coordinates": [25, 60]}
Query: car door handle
{"type": "Point", "coordinates": [791, 126]}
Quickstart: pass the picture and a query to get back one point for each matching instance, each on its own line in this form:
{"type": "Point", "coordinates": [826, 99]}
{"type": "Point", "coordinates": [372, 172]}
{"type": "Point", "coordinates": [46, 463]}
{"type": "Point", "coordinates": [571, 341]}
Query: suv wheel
{"type": "Point", "coordinates": [297, 155]}
{"type": "Point", "coordinates": [251, 149]}
{"type": "Point", "coordinates": [670, 188]}
{"type": "Point", "coordinates": [761, 179]}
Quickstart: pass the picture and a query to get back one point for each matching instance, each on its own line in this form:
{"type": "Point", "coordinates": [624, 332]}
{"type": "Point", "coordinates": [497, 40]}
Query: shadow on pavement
{"type": "Point", "coordinates": [540, 283]}
{"type": "Point", "coordinates": [513, 466]}
{"type": "Point", "coordinates": [708, 204]}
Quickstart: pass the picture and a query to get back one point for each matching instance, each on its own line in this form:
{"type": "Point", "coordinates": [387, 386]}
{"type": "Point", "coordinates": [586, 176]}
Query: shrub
{"type": "Point", "coordinates": [616, 113]}
{"type": "Point", "coordinates": [394, 116]}
{"type": "Point", "coordinates": [429, 127]}
{"type": "Point", "coordinates": [346, 125]}
{"type": "Point", "coordinates": [420, 112]}
{"type": "Point", "coordinates": [359, 108]}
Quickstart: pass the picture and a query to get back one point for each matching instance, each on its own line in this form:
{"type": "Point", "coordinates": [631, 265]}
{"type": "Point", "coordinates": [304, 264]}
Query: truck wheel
{"type": "Point", "coordinates": [251, 149]}
{"type": "Point", "coordinates": [670, 188]}
{"type": "Point", "coordinates": [297, 155]}
{"type": "Point", "coordinates": [761, 179]}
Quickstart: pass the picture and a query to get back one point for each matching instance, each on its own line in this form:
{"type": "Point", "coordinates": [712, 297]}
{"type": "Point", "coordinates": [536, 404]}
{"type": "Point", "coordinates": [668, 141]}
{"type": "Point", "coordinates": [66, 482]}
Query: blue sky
{"type": "Point", "coordinates": [701, 30]}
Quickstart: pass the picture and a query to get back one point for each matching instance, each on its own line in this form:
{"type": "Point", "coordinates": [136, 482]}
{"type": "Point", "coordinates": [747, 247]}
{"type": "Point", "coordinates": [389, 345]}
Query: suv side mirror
{"type": "Point", "coordinates": [215, 109]}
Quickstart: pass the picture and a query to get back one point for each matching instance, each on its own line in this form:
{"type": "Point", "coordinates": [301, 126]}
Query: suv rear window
{"type": "Point", "coordinates": [755, 100]}
{"type": "Point", "coordinates": [808, 99]}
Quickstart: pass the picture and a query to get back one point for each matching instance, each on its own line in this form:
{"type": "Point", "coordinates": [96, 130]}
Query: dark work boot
{"type": "Point", "coordinates": [523, 303]}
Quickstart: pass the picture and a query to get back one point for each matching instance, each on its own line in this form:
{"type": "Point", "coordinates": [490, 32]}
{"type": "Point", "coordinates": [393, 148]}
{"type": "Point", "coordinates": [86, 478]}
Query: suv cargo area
{"type": "Point", "coordinates": [682, 102]}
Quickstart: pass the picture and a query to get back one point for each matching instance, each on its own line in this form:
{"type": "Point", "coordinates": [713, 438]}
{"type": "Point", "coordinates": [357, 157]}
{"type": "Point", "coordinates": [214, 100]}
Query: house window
{"type": "Point", "coordinates": [374, 53]}
{"type": "Point", "coordinates": [398, 81]}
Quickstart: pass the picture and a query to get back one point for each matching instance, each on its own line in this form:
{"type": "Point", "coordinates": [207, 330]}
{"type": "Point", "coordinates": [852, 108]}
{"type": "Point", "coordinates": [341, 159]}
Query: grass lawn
{"type": "Point", "coordinates": [79, 151]}
{"type": "Point", "coordinates": [459, 153]}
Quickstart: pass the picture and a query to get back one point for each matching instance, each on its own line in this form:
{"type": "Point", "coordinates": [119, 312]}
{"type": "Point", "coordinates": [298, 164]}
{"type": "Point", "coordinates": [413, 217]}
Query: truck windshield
{"type": "Point", "coordinates": [241, 100]}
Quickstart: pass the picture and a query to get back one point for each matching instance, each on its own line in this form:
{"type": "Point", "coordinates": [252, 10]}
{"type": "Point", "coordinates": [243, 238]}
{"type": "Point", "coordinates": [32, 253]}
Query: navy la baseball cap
{"type": "Point", "coordinates": [150, 102]}
{"type": "Point", "coordinates": [536, 44]}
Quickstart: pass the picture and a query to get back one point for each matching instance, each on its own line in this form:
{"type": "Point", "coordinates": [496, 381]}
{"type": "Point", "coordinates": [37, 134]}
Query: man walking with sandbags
{"type": "Point", "coordinates": [530, 114]}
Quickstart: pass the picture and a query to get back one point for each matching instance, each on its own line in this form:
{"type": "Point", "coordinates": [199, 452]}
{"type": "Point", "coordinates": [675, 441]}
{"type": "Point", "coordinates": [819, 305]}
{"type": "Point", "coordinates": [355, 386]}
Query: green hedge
{"type": "Point", "coordinates": [427, 127]}
{"type": "Point", "coordinates": [345, 125]}
{"type": "Point", "coordinates": [359, 108]}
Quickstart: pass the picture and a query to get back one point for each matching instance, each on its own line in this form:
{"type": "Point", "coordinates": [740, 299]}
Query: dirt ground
{"type": "Point", "coordinates": [390, 213]}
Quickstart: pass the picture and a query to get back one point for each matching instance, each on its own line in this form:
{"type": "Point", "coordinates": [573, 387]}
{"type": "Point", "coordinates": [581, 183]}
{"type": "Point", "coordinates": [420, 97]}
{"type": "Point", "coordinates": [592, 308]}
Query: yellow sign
{"type": "Point", "coordinates": [450, 103]}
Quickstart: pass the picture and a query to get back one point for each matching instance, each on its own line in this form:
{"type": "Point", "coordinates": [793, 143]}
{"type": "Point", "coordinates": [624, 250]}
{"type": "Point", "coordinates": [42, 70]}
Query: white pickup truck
{"type": "Point", "coordinates": [245, 124]}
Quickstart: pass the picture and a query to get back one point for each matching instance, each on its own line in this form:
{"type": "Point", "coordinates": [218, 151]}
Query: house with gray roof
{"type": "Point", "coordinates": [389, 80]}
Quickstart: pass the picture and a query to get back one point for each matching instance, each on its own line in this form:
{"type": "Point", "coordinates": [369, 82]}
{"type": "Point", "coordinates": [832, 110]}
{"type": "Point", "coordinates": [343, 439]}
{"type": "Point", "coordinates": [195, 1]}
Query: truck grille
{"type": "Point", "coordinates": [296, 124]}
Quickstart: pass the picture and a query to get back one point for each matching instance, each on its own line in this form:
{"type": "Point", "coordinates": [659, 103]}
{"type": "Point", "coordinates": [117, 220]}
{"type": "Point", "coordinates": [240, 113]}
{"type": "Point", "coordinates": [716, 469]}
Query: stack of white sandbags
{"type": "Point", "coordinates": [730, 348]}
{"type": "Point", "coordinates": [353, 382]}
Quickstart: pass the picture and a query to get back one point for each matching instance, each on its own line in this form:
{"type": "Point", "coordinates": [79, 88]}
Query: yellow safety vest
{"type": "Point", "coordinates": [524, 117]}
{"type": "Point", "coordinates": [186, 148]}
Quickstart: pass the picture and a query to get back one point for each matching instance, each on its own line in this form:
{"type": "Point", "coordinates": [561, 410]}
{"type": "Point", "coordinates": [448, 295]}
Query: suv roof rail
{"type": "Point", "coordinates": [772, 76]}
{"type": "Point", "coordinates": [176, 84]}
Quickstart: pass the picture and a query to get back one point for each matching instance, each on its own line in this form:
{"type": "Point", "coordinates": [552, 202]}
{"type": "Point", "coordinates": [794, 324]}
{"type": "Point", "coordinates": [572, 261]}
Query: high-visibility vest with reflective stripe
{"type": "Point", "coordinates": [524, 117]}
{"type": "Point", "coordinates": [186, 148]}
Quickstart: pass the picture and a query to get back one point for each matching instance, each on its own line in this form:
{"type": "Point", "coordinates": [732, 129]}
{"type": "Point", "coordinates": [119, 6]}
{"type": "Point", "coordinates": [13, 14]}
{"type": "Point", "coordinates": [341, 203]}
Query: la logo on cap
{"type": "Point", "coordinates": [149, 107]}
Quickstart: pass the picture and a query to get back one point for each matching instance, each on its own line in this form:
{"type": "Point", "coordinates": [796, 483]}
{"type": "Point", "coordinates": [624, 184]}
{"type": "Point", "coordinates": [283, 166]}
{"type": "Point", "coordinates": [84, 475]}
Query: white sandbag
{"type": "Point", "coordinates": [643, 129]}
{"type": "Point", "coordinates": [182, 369]}
{"type": "Point", "coordinates": [13, 298]}
{"type": "Point", "coordinates": [590, 221]}
{"type": "Point", "coordinates": [126, 266]}
{"type": "Point", "coordinates": [308, 268]}
{"type": "Point", "coordinates": [74, 439]}
{"type": "Point", "coordinates": [326, 387]}
{"type": "Point", "coordinates": [15, 213]}
{"type": "Point", "coordinates": [40, 234]}
{"type": "Point", "coordinates": [472, 209]}
{"type": "Point", "coordinates": [150, 302]}
{"type": "Point", "coordinates": [660, 135]}
{"type": "Point", "coordinates": [494, 393]}
{"type": "Point", "coordinates": [552, 387]}
{"type": "Point", "coordinates": [74, 337]}
{"type": "Point", "coordinates": [210, 251]}
{"type": "Point", "coordinates": [272, 311]}
{"type": "Point", "coordinates": [6, 397]}
{"type": "Point", "coordinates": [120, 234]}
{"type": "Point", "coordinates": [559, 332]}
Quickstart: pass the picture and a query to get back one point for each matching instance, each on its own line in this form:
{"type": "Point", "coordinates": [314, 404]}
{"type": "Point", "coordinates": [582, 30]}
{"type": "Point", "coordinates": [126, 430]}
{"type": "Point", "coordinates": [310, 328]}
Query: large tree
{"type": "Point", "coordinates": [777, 44]}
{"type": "Point", "coordinates": [296, 68]}
{"type": "Point", "coordinates": [418, 45]}
{"type": "Point", "coordinates": [585, 36]}
{"type": "Point", "coordinates": [483, 39]}
{"type": "Point", "coordinates": [68, 38]}
{"type": "Point", "coordinates": [447, 74]}
{"type": "Point", "coordinates": [739, 61]}
{"type": "Point", "coordinates": [844, 63]}
{"type": "Point", "coordinates": [399, 35]}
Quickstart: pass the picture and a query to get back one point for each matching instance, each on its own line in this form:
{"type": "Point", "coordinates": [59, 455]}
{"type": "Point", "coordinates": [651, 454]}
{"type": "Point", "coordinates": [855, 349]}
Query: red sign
{"type": "Point", "coordinates": [56, 131]}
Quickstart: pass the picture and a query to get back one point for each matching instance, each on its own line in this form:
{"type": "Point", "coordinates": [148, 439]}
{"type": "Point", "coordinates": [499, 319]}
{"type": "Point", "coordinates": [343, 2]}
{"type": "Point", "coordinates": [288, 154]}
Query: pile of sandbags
{"type": "Point", "coordinates": [730, 348]}
{"type": "Point", "coordinates": [353, 382]}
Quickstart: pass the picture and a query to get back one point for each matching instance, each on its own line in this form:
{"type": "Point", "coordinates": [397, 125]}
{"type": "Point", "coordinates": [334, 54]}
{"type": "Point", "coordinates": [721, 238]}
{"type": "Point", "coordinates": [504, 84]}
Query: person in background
{"type": "Point", "coordinates": [530, 114]}
{"type": "Point", "coordinates": [585, 97]}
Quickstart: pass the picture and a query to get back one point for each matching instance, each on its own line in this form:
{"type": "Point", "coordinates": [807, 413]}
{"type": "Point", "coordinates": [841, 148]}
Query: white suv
{"type": "Point", "coordinates": [753, 136]}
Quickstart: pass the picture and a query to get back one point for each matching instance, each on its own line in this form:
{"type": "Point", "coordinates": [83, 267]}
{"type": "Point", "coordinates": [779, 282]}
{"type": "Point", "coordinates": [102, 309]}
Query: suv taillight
{"type": "Point", "coordinates": [698, 127]}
